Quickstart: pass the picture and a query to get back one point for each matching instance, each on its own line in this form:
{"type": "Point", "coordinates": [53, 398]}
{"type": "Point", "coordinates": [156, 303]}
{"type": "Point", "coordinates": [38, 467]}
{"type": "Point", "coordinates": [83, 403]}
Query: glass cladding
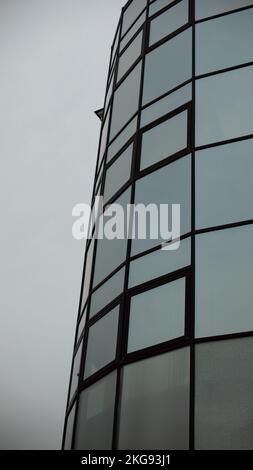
{"type": "Point", "coordinates": [81, 324]}
{"type": "Point", "coordinates": [75, 372]}
{"type": "Point", "coordinates": [205, 8]}
{"type": "Point", "coordinates": [69, 429]}
{"type": "Point", "coordinates": [169, 21]}
{"type": "Point", "coordinates": [129, 56]}
{"type": "Point", "coordinates": [160, 76]}
{"type": "Point", "coordinates": [118, 173]}
{"type": "Point", "coordinates": [128, 36]}
{"type": "Point", "coordinates": [107, 292]}
{"type": "Point", "coordinates": [150, 387]}
{"type": "Point", "coordinates": [158, 5]}
{"type": "Point", "coordinates": [131, 13]}
{"type": "Point", "coordinates": [122, 139]}
{"type": "Point", "coordinates": [87, 275]}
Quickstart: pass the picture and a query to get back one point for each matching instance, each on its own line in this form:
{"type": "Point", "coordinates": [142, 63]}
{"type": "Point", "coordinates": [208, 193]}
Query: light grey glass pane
{"type": "Point", "coordinates": [168, 66]}
{"type": "Point", "coordinates": [224, 177]}
{"type": "Point", "coordinates": [121, 140]}
{"type": "Point", "coordinates": [75, 372]}
{"type": "Point", "coordinates": [87, 277]}
{"type": "Point", "coordinates": [130, 55]}
{"type": "Point", "coordinates": [158, 5]}
{"type": "Point", "coordinates": [102, 341]}
{"type": "Point", "coordinates": [205, 8]}
{"type": "Point", "coordinates": [95, 415]}
{"type": "Point", "coordinates": [126, 100]}
{"type": "Point", "coordinates": [164, 140]}
{"type": "Point", "coordinates": [224, 106]}
{"type": "Point", "coordinates": [111, 253]}
{"type": "Point", "coordinates": [234, 32]}
{"type": "Point", "coordinates": [116, 42]}
{"type": "Point", "coordinates": [159, 262]}
{"type": "Point", "coordinates": [109, 94]}
{"type": "Point", "coordinates": [132, 31]}
{"type": "Point", "coordinates": [169, 21]}
{"type": "Point", "coordinates": [131, 13]}
{"type": "Point", "coordinates": [104, 138]}
{"type": "Point", "coordinates": [154, 411]}
{"type": "Point", "coordinates": [118, 173]}
{"type": "Point", "coordinates": [167, 104]}
{"type": "Point", "coordinates": [69, 429]}
{"type": "Point", "coordinates": [157, 315]}
{"type": "Point", "coordinates": [107, 292]}
{"type": "Point", "coordinates": [169, 185]}
{"type": "Point", "coordinates": [224, 388]}
{"type": "Point", "coordinates": [81, 324]}
{"type": "Point", "coordinates": [224, 271]}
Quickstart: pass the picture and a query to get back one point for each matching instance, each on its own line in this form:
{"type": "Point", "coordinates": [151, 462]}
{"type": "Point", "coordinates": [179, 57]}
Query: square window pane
{"type": "Point", "coordinates": [205, 8]}
{"type": "Point", "coordinates": [154, 411]}
{"type": "Point", "coordinates": [130, 55]}
{"type": "Point", "coordinates": [234, 32]}
{"type": "Point", "coordinates": [159, 263]}
{"type": "Point", "coordinates": [169, 21]}
{"type": "Point", "coordinates": [131, 13]}
{"type": "Point", "coordinates": [118, 173]}
{"type": "Point", "coordinates": [75, 372]}
{"type": "Point", "coordinates": [224, 177]}
{"type": "Point", "coordinates": [224, 271]}
{"type": "Point", "coordinates": [164, 140]}
{"type": "Point", "coordinates": [224, 388]}
{"type": "Point", "coordinates": [122, 139]}
{"type": "Point", "coordinates": [168, 66]}
{"type": "Point", "coordinates": [107, 292]}
{"type": "Point", "coordinates": [158, 5]}
{"type": "Point", "coordinates": [102, 342]}
{"type": "Point", "coordinates": [157, 315]}
{"type": "Point", "coordinates": [169, 185]}
{"type": "Point", "coordinates": [126, 100]}
{"type": "Point", "coordinates": [224, 106]}
{"type": "Point", "coordinates": [95, 415]}
{"type": "Point", "coordinates": [69, 429]}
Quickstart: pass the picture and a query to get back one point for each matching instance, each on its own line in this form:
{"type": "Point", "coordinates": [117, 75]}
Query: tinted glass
{"type": "Point", "coordinates": [130, 56]}
{"type": "Point", "coordinates": [205, 8]}
{"type": "Point", "coordinates": [158, 5]}
{"type": "Point", "coordinates": [88, 267]}
{"type": "Point", "coordinates": [69, 429]}
{"type": "Point", "coordinates": [118, 173]}
{"type": "Point", "coordinates": [169, 21]}
{"type": "Point", "coordinates": [107, 292]}
{"type": "Point", "coordinates": [81, 324]}
{"type": "Point", "coordinates": [132, 31]}
{"type": "Point", "coordinates": [122, 139]}
{"type": "Point", "coordinates": [75, 372]}
{"type": "Point", "coordinates": [132, 12]}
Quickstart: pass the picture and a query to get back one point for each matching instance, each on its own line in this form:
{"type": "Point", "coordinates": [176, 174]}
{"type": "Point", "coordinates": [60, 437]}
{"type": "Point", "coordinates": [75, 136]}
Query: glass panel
{"type": "Point", "coordinates": [169, 185]}
{"type": "Point", "coordinates": [75, 372]}
{"type": "Point", "coordinates": [88, 268]}
{"type": "Point", "coordinates": [102, 342]}
{"type": "Point", "coordinates": [69, 429]}
{"type": "Point", "coordinates": [224, 388]}
{"type": "Point", "coordinates": [234, 32]}
{"type": "Point", "coordinates": [157, 315]}
{"type": "Point", "coordinates": [115, 45]}
{"type": "Point", "coordinates": [224, 106]}
{"type": "Point", "coordinates": [224, 178]}
{"type": "Point", "coordinates": [168, 66]}
{"type": "Point", "coordinates": [205, 8]}
{"type": "Point", "coordinates": [111, 253]}
{"type": "Point", "coordinates": [122, 139]}
{"type": "Point", "coordinates": [118, 173]}
{"type": "Point", "coordinates": [126, 100]}
{"type": "Point", "coordinates": [158, 5]}
{"type": "Point", "coordinates": [224, 270]}
{"type": "Point", "coordinates": [109, 94]}
{"type": "Point", "coordinates": [131, 13]}
{"type": "Point", "coordinates": [159, 262]}
{"type": "Point", "coordinates": [107, 292]}
{"type": "Point", "coordinates": [130, 55]}
{"type": "Point", "coordinates": [169, 21]}
{"type": "Point", "coordinates": [104, 138]}
{"type": "Point", "coordinates": [154, 411]}
{"type": "Point", "coordinates": [167, 104]}
{"type": "Point", "coordinates": [164, 140]}
{"type": "Point", "coordinates": [95, 415]}
{"type": "Point", "coordinates": [81, 325]}
{"type": "Point", "coordinates": [132, 31]}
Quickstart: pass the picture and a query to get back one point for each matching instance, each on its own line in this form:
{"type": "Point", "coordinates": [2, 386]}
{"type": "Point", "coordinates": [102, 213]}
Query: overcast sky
{"type": "Point", "coordinates": [53, 65]}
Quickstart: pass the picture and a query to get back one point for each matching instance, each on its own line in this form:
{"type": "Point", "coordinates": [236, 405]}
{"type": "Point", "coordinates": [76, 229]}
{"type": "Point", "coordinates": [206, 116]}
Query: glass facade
{"type": "Point", "coordinates": [164, 340]}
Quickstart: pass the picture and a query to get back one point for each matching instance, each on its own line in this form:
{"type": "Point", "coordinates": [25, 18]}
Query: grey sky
{"type": "Point", "coordinates": [53, 57]}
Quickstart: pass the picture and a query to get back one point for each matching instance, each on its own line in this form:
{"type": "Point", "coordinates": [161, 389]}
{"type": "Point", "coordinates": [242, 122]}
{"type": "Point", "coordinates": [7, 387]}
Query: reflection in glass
{"type": "Point", "coordinates": [169, 21]}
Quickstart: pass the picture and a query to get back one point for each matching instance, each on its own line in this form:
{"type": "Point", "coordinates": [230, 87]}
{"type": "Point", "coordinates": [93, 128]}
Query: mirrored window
{"type": "Point", "coordinates": [205, 8]}
{"type": "Point", "coordinates": [130, 55]}
{"type": "Point", "coordinates": [169, 21]}
{"type": "Point", "coordinates": [107, 292]}
{"type": "Point", "coordinates": [118, 173]}
{"type": "Point", "coordinates": [131, 13]}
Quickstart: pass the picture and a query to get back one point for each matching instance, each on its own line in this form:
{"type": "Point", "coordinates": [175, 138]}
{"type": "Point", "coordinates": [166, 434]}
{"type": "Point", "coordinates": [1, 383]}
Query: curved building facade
{"type": "Point", "coordinates": [163, 355]}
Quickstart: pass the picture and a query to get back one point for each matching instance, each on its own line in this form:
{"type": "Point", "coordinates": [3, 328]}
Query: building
{"type": "Point", "coordinates": [164, 340]}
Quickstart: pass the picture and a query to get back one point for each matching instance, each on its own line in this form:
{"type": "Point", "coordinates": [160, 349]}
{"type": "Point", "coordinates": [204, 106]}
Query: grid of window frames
{"type": "Point", "coordinates": [172, 330]}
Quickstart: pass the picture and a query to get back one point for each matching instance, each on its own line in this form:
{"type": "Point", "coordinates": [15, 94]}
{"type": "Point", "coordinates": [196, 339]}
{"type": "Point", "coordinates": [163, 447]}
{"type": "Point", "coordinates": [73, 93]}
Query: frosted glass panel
{"type": "Point", "coordinates": [205, 8]}
{"type": "Point", "coordinates": [118, 173]}
{"type": "Point", "coordinates": [107, 292]}
{"type": "Point", "coordinates": [169, 21]}
{"type": "Point", "coordinates": [154, 411]}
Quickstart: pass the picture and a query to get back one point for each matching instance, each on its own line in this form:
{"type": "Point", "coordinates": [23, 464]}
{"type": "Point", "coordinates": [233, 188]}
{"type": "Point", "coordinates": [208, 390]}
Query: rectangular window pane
{"type": "Point", "coordinates": [157, 315]}
{"type": "Point", "coordinates": [87, 276]}
{"type": "Point", "coordinates": [168, 66]}
{"type": "Point", "coordinates": [132, 31]}
{"type": "Point", "coordinates": [107, 292]}
{"type": "Point", "coordinates": [224, 271]}
{"type": "Point", "coordinates": [130, 55]}
{"type": "Point", "coordinates": [69, 429]}
{"type": "Point", "coordinates": [159, 262]}
{"type": "Point", "coordinates": [95, 415]}
{"type": "Point", "coordinates": [75, 372]}
{"type": "Point", "coordinates": [205, 8]}
{"type": "Point", "coordinates": [224, 388]}
{"type": "Point", "coordinates": [169, 185]}
{"type": "Point", "coordinates": [224, 177]}
{"type": "Point", "coordinates": [224, 106]}
{"type": "Point", "coordinates": [104, 138]}
{"type": "Point", "coordinates": [234, 32]}
{"type": "Point", "coordinates": [122, 139]}
{"type": "Point", "coordinates": [158, 5]}
{"type": "Point", "coordinates": [168, 22]}
{"type": "Point", "coordinates": [154, 411]}
{"type": "Point", "coordinates": [81, 325]}
{"type": "Point", "coordinates": [164, 140]}
{"type": "Point", "coordinates": [126, 100]}
{"type": "Point", "coordinates": [131, 13]}
{"type": "Point", "coordinates": [102, 342]}
{"type": "Point", "coordinates": [118, 173]}
{"type": "Point", "coordinates": [167, 104]}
